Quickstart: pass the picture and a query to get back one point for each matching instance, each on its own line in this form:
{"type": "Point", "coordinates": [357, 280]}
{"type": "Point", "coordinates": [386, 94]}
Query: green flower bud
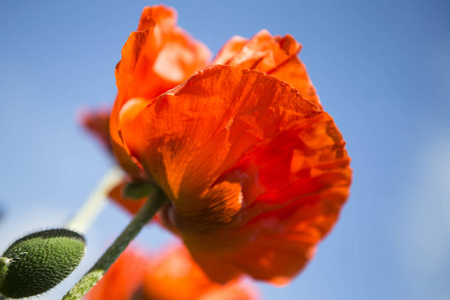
{"type": "Point", "coordinates": [39, 261]}
{"type": "Point", "coordinates": [137, 190]}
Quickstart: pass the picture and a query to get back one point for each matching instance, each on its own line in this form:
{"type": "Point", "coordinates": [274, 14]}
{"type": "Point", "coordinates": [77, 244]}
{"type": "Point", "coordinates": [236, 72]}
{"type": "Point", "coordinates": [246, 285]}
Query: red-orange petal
{"type": "Point", "coordinates": [156, 58]}
{"type": "Point", "coordinates": [230, 50]}
{"type": "Point", "coordinates": [294, 72]}
{"type": "Point", "coordinates": [256, 174]}
{"type": "Point", "coordinates": [273, 55]}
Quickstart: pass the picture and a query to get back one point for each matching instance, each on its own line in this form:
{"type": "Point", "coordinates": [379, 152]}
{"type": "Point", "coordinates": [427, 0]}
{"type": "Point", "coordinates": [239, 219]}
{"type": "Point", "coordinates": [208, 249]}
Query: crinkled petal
{"type": "Point", "coordinates": [294, 72]}
{"type": "Point", "coordinates": [156, 58]}
{"type": "Point", "coordinates": [230, 50]}
{"type": "Point", "coordinates": [256, 174]}
{"type": "Point", "coordinates": [192, 134]}
{"type": "Point", "coordinates": [276, 56]}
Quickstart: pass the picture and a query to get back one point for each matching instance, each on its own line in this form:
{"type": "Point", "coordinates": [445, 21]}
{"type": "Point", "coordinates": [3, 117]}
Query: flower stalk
{"type": "Point", "coordinates": [148, 210]}
{"type": "Point", "coordinates": [96, 201]}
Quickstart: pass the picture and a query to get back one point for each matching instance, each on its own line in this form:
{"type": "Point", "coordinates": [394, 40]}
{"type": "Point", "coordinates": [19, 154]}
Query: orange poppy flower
{"type": "Point", "coordinates": [97, 123]}
{"type": "Point", "coordinates": [273, 55]}
{"type": "Point", "coordinates": [171, 275]}
{"type": "Point", "coordinates": [256, 175]}
{"type": "Point", "coordinates": [123, 279]}
{"type": "Point", "coordinates": [256, 172]}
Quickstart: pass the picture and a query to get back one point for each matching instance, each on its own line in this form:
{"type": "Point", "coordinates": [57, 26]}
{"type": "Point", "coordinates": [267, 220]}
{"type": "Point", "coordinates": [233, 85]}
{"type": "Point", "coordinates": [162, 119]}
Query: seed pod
{"type": "Point", "coordinates": [39, 261]}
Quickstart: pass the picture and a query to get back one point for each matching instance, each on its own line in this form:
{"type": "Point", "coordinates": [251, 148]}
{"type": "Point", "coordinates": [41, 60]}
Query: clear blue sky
{"type": "Point", "coordinates": [381, 68]}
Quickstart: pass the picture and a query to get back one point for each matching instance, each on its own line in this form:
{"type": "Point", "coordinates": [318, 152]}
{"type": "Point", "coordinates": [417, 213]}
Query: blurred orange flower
{"type": "Point", "coordinates": [96, 122]}
{"type": "Point", "coordinates": [256, 172]}
{"type": "Point", "coordinates": [123, 279]}
{"type": "Point", "coordinates": [171, 275]}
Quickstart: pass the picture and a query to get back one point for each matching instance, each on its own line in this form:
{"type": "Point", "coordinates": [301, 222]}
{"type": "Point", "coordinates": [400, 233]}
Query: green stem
{"type": "Point", "coordinates": [145, 214]}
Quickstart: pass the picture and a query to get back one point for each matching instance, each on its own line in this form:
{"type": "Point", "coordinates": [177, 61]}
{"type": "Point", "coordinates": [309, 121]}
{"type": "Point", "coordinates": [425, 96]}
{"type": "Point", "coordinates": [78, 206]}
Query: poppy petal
{"type": "Point", "coordinates": [294, 72]}
{"type": "Point", "coordinates": [246, 166]}
{"type": "Point", "coordinates": [156, 58]}
{"type": "Point", "coordinates": [275, 56]}
{"type": "Point", "coordinates": [230, 50]}
{"type": "Point", "coordinates": [189, 131]}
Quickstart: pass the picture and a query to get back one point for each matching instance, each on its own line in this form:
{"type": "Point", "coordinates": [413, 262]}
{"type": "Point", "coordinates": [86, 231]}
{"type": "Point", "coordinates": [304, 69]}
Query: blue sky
{"type": "Point", "coordinates": [381, 68]}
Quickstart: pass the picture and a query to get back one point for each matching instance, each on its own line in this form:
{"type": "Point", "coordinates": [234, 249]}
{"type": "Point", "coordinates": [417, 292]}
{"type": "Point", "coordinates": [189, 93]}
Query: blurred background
{"type": "Point", "coordinates": [381, 68]}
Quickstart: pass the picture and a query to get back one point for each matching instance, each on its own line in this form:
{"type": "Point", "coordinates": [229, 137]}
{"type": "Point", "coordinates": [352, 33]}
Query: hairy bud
{"type": "Point", "coordinates": [39, 261]}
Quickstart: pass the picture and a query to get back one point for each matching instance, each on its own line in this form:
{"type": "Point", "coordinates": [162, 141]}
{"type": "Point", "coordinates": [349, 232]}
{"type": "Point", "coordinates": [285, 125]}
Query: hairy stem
{"type": "Point", "coordinates": [145, 214]}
